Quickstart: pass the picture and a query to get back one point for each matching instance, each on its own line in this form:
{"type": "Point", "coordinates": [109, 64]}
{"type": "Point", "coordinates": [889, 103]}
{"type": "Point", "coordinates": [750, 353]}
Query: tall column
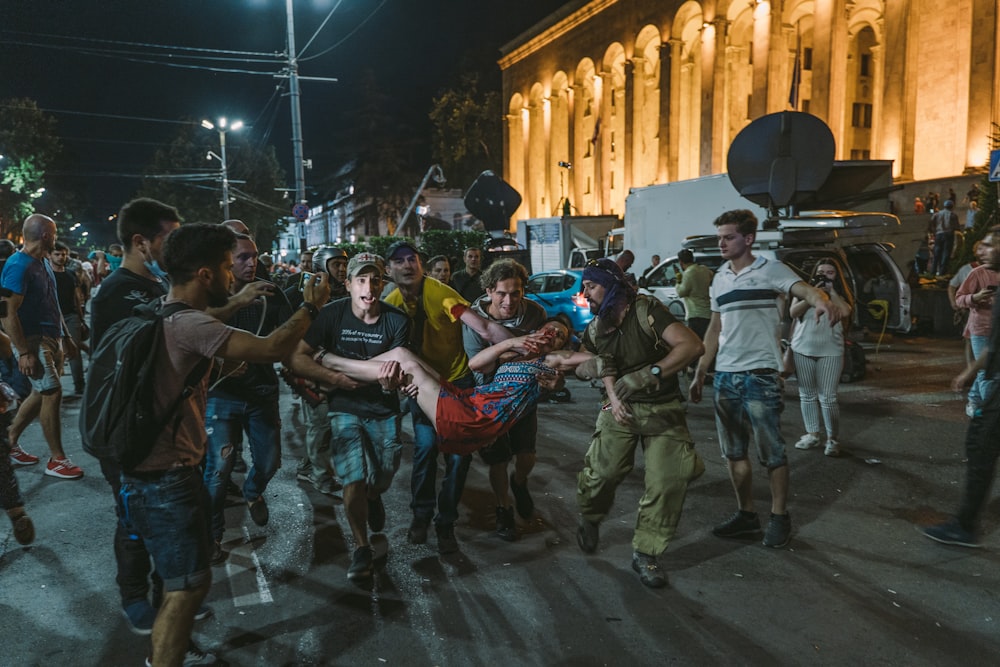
{"type": "Point", "coordinates": [877, 83]}
{"type": "Point", "coordinates": [895, 118]}
{"type": "Point", "coordinates": [983, 81]}
{"type": "Point", "coordinates": [627, 145]}
{"type": "Point", "coordinates": [601, 165]}
{"type": "Point", "coordinates": [763, 31]}
{"type": "Point", "coordinates": [571, 191]}
{"type": "Point", "coordinates": [713, 86]}
{"type": "Point", "coordinates": [670, 55]}
{"type": "Point", "coordinates": [829, 76]}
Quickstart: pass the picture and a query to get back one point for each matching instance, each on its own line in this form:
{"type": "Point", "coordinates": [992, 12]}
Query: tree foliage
{"type": "Point", "coordinates": [467, 136]}
{"type": "Point", "coordinates": [29, 145]}
{"type": "Point", "coordinates": [380, 147]}
{"type": "Point", "coordinates": [180, 175]}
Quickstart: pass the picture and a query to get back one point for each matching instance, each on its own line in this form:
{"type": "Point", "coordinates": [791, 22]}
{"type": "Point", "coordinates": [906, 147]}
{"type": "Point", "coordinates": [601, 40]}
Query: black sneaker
{"type": "Point", "coordinates": [219, 556]}
{"type": "Point", "coordinates": [522, 499]}
{"type": "Point", "coordinates": [447, 544]}
{"type": "Point", "coordinates": [362, 564]}
{"type": "Point", "coordinates": [587, 535]}
{"type": "Point", "coordinates": [952, 533]}
{"type": "Point", "coordinates": [649, 570]}
{"type": "Point", "coordinates": [779, 531]}
{"type": "Point", "coordinates": [739, 524]}
{"type": "Point", "coordinates": [376, 514]}
{"type": "Point", "coordinates": [505, 524]}
{"type": "Point", "coordinates": [417, 534]}
{"type": "Point", "coordinates": [258, 511]}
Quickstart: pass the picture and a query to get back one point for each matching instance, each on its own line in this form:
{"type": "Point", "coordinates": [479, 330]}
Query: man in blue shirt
{"type": "Point", "coordinates": [38, 334]}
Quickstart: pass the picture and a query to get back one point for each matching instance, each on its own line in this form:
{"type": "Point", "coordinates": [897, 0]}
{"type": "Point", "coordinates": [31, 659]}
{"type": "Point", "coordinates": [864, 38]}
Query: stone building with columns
{"type": "Point", "coordinates": [635, 92]}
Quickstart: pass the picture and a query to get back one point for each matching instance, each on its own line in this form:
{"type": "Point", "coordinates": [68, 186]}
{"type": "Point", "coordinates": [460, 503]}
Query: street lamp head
{"type": "Point", "coordinates": [237, 125]}
{"type": "Point", "coordinates": [207, 124]}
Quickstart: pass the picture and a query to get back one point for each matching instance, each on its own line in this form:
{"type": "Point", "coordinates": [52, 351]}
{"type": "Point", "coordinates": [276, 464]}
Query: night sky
{"type": "Point", "coordinates": [414, 47]}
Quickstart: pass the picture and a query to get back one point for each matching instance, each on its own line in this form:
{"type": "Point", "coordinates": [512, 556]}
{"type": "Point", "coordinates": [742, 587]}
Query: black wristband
{"type": "Point", "coordinates": [311, 309]}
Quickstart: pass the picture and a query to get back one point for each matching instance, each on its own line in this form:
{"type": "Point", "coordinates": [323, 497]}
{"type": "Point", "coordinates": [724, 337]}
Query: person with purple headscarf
{"type": "Point", "coordinates": [639, 348]}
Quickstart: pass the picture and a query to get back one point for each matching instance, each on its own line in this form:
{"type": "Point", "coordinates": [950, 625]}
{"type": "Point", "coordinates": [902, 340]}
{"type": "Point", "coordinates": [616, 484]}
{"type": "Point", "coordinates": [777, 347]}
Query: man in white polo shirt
{"type": "Point", "coordinates": [748, 300]}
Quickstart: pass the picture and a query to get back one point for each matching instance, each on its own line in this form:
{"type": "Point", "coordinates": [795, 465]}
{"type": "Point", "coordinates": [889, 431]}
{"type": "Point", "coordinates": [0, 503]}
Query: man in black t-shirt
{"type": "Point", "coordinates": [365, 421]}
{"type": "Point", "coordinates": [71, 307]}
{"type": "Point", "coordinates": [143, 226]}
{"type": "Point", "coordinates": [244, 397]}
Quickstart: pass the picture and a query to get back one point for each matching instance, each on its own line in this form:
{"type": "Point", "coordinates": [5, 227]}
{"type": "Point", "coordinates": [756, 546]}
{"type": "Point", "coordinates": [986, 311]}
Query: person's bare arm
{"type": "Point", "coordinates": [27, 361]}
{"type": "Point", "coordinates": [494, 332]}
{"type": "Point", "coordinates": [711, 343]}
{"type": "Point", "coordinates": [798, 308]}
{"type": "Point", "coordinates": [819, 300]}
{"type": "Point", "coordinates": [242, 299]}
{"type": "Point", "coordinates": [303, 364]}
{"type": "Point", "coordinates": [244, 346]}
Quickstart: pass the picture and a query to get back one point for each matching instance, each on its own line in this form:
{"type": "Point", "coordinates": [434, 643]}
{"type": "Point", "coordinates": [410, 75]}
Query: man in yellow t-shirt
{"type": "Point", "coordinates": [437, 313]}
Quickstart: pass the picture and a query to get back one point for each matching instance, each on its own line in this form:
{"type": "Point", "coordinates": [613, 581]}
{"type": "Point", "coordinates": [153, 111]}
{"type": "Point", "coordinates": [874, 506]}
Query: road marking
{"type": "Point", "coordinates": [262, 594]}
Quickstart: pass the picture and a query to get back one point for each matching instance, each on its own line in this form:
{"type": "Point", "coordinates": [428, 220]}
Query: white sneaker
{"type": "Point", "coordinates": [808, 441]}
{"type": "Point", "coordinates": [970, 409]}
{"type": "Point", "coordinates": [832, 448]}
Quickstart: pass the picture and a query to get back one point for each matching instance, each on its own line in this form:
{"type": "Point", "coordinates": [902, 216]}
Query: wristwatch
{"type": "Point", "coordinates": [656, 371]}
{"type": "Point", "coordinates": [311, 309]}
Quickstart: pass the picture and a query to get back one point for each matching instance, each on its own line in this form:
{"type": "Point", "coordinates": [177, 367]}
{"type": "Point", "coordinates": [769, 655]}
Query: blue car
{"type": "Point", "coordinates": [561, 292]}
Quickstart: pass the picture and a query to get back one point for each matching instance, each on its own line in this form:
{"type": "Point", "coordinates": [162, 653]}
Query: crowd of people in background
{"type": "Point", "coordinates": [364, 339]}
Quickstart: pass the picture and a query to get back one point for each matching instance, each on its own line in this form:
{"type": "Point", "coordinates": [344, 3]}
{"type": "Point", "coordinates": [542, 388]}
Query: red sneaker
{"type": "Point", "coordinates": [63, 469]}
{"type": "Point", "coordinates": [19, 457]}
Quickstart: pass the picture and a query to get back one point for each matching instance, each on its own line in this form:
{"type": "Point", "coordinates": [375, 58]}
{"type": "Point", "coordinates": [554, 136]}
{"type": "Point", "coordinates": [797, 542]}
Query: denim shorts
{"type": "Point", "coordinates": [50, 357]}
{"type": "Point", "coordinates": [365, 449]}
{"type": "Point", "coordinates": [750, 404]}
{"type": "Point", "coordinates": [170, 511]}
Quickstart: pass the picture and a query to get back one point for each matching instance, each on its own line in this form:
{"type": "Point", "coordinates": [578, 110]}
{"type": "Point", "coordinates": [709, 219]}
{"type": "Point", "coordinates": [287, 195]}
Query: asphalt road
{"type": "Point", "coordinates": [857, 585]}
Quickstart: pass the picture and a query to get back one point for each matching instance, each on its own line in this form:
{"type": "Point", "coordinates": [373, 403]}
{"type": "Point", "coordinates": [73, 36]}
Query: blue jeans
{"type": "Point", "coordinates": [131, 556]}
{"type": "Point", "coordinates": [981, 386]}
{"type": "Point", "coordinates": [943, 242]}
{"type": "Point", "coordinates": [749, 404]}
{"type": "Point", "coordinates": [169, 511]}
{"type": "Point", "coordinates": [424, 478]}
{"type": "Point", "coordinates": [225, 421]}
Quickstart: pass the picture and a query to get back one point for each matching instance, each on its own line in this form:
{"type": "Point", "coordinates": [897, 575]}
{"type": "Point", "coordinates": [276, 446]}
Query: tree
{"type": "Point", "coordinates": [181, 176]}
{"type": "Point", "coordinates": [29, 145]}
{"type": "Point", "coordinates": [468, 135]}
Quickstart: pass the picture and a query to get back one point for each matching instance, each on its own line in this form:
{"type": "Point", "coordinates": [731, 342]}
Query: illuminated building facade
{"type": "Point", "coordinates": [635, 92]}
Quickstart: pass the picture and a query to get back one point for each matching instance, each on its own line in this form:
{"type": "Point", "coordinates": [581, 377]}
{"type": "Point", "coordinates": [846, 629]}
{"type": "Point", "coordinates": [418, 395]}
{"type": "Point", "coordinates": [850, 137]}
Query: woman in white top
{"type": "Point", "coordinates": [819, 359]}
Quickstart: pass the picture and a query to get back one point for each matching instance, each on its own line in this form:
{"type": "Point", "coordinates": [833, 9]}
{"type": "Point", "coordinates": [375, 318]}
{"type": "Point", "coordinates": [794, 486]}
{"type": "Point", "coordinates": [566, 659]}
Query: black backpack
{"type": "Point", "coordinates": [116, 414]}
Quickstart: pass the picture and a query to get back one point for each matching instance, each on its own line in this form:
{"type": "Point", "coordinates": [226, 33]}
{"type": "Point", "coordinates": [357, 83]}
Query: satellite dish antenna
{"type": "Point", "coordinates": [492, 200]}
{"type": "Point", "coordinates": [781, 159]}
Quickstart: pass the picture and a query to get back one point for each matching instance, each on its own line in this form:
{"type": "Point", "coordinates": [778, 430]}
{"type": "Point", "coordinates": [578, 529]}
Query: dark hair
{"type": "Point", "coordinates": [7, 248]}
{"type": "Point", "coordinates": [62, 246]}
{"type": "Point", "coordinates": [745, 221]}
{"type": "Point", "coordinates": [144, 217]}
{"type": "Point", "coordinates": [195, 246]}
{"type": "Point", "coordinates": [839, 284]}
{"type": "Point", "coordinates": [503, 269]}
{"type": "Point", "coordinates": [685, 256]}
{"type": "Point", "coordinates": [438, 258]}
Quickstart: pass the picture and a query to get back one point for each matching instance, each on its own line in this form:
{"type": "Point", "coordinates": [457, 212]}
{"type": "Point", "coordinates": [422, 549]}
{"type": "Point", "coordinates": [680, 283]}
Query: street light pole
{"type": "Point", "coordinates": [222, 128]}
{"type": "Point", "coordinates": [293, 90]}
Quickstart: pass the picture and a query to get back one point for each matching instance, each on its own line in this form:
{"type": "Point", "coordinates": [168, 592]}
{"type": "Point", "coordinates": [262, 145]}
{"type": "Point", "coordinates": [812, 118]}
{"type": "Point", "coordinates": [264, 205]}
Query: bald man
{"type": "Point", "coordinates": [39, 336]}
{"type": "Point", "coordinates": [237, 226]}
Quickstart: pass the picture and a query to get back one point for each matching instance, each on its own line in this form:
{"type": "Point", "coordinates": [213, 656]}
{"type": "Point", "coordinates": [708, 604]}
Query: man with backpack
{"type": "Point", "coordinates": [640, 347]}
{"type": "Point", "coordinates": [143, 226]}
{"type": "Point", "coordinates": [163, 494]}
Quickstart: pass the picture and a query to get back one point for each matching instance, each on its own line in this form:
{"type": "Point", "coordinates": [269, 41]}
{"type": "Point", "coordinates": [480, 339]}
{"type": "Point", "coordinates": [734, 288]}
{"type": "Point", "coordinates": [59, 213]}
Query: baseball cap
{"type": "Point", "coordinates": [399, 245]}
{"type": "Point", "coordinates": [363, 260]}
